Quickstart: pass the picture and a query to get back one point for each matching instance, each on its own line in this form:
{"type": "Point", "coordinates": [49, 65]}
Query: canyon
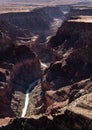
{"type": "Point", "coordinates": [46, 69]}
{"type": "Point", "coordinates": [37, 22]}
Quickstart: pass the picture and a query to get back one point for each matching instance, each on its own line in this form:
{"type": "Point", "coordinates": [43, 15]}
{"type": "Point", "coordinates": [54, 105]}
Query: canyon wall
{"type": "Point", "coordinates": [67, 78]}
{"type": "Point", "coordinates": [19, 66]}
{"type": "Point", "coordinates": [66, 85]}
{"type": "Point", "coordinates": [74, 117]}
{"type": "Point", "coordinates": [24, 24]}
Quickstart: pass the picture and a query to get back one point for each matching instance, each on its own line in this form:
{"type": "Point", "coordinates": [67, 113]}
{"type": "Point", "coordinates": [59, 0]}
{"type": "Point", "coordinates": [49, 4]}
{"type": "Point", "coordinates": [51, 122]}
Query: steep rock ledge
{"type": "Point", "coordinates": [71, 118]}
{"type": "Point", "coordinates": [19, 66]}
{"type": "Point", "coordinates": [66, 88]}
{"type": "Point", "coordinates": [35, 22]}
{"type": "Point", "coordinates": [72, 46]}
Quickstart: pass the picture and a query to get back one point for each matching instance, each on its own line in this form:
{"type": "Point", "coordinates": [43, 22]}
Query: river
{"type": "Point", "coordinates": [31, 86]}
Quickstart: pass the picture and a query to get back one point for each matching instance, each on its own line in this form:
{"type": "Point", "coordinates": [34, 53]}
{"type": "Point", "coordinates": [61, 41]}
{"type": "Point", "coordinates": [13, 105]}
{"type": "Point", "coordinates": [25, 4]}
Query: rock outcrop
{"type": "Point", "coordinates": [65, 95]}
{"type": "Point", "coordinates": [76, 67]}
{"type": "Point", "coordinates": [77, 116]}
{"type": "Point", "coordinates": [26, 24]}
{"type": "Point", "coordinates": [19, 66]}
{"type": "Point", "coordinates": [73, 48]}
{"type": "Point", "coordinates": [63, 98]}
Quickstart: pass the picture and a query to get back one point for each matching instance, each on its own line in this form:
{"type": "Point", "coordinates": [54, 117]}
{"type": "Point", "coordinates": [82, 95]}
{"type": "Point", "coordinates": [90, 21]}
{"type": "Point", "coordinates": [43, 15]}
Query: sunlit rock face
{"type": "Point", "coordinates": [35, 20]}
{"type": "Point", "coordinates": [72, 116]}
{"type": "Point", "coordinates": [72, 32]}
{"type": "Point", "coordinates": [40, 21]}
{"type": "Point", "coordinates": [72, 45]}
{"type": "Point", "coordinates": [63, 97]}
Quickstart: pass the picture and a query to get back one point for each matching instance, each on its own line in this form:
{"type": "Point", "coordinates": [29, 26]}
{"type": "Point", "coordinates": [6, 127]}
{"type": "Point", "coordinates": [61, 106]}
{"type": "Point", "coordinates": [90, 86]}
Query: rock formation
{"type": "Point", "coordinates": [78, 115]}
{"type": "Point", "coordinates": [19, 66]}
{"type": "Point", "coordinates": [69, 78]}
{"type": "Point", "coordinates": [26, 24]}
{"type": "Point", "coordinates": [63, 98]}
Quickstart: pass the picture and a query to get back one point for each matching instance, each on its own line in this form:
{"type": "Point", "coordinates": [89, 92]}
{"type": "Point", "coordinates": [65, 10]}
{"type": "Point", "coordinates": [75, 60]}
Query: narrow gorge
{"type": "Point", "coordinates": [46, 68]}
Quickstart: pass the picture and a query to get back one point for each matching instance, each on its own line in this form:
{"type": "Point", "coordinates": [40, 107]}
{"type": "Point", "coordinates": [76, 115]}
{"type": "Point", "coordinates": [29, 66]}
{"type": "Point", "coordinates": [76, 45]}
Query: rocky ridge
{"type": "Point", "coordinates": [71, 118]}
{"type": "Point", "coordinates": [16, 65]}
{"type": "Point", "coordinates": [74, 54]}
{"type": "Point", "coordinates": [27, 24]}
{"type": "Point", "coordinates": [66, 85]}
